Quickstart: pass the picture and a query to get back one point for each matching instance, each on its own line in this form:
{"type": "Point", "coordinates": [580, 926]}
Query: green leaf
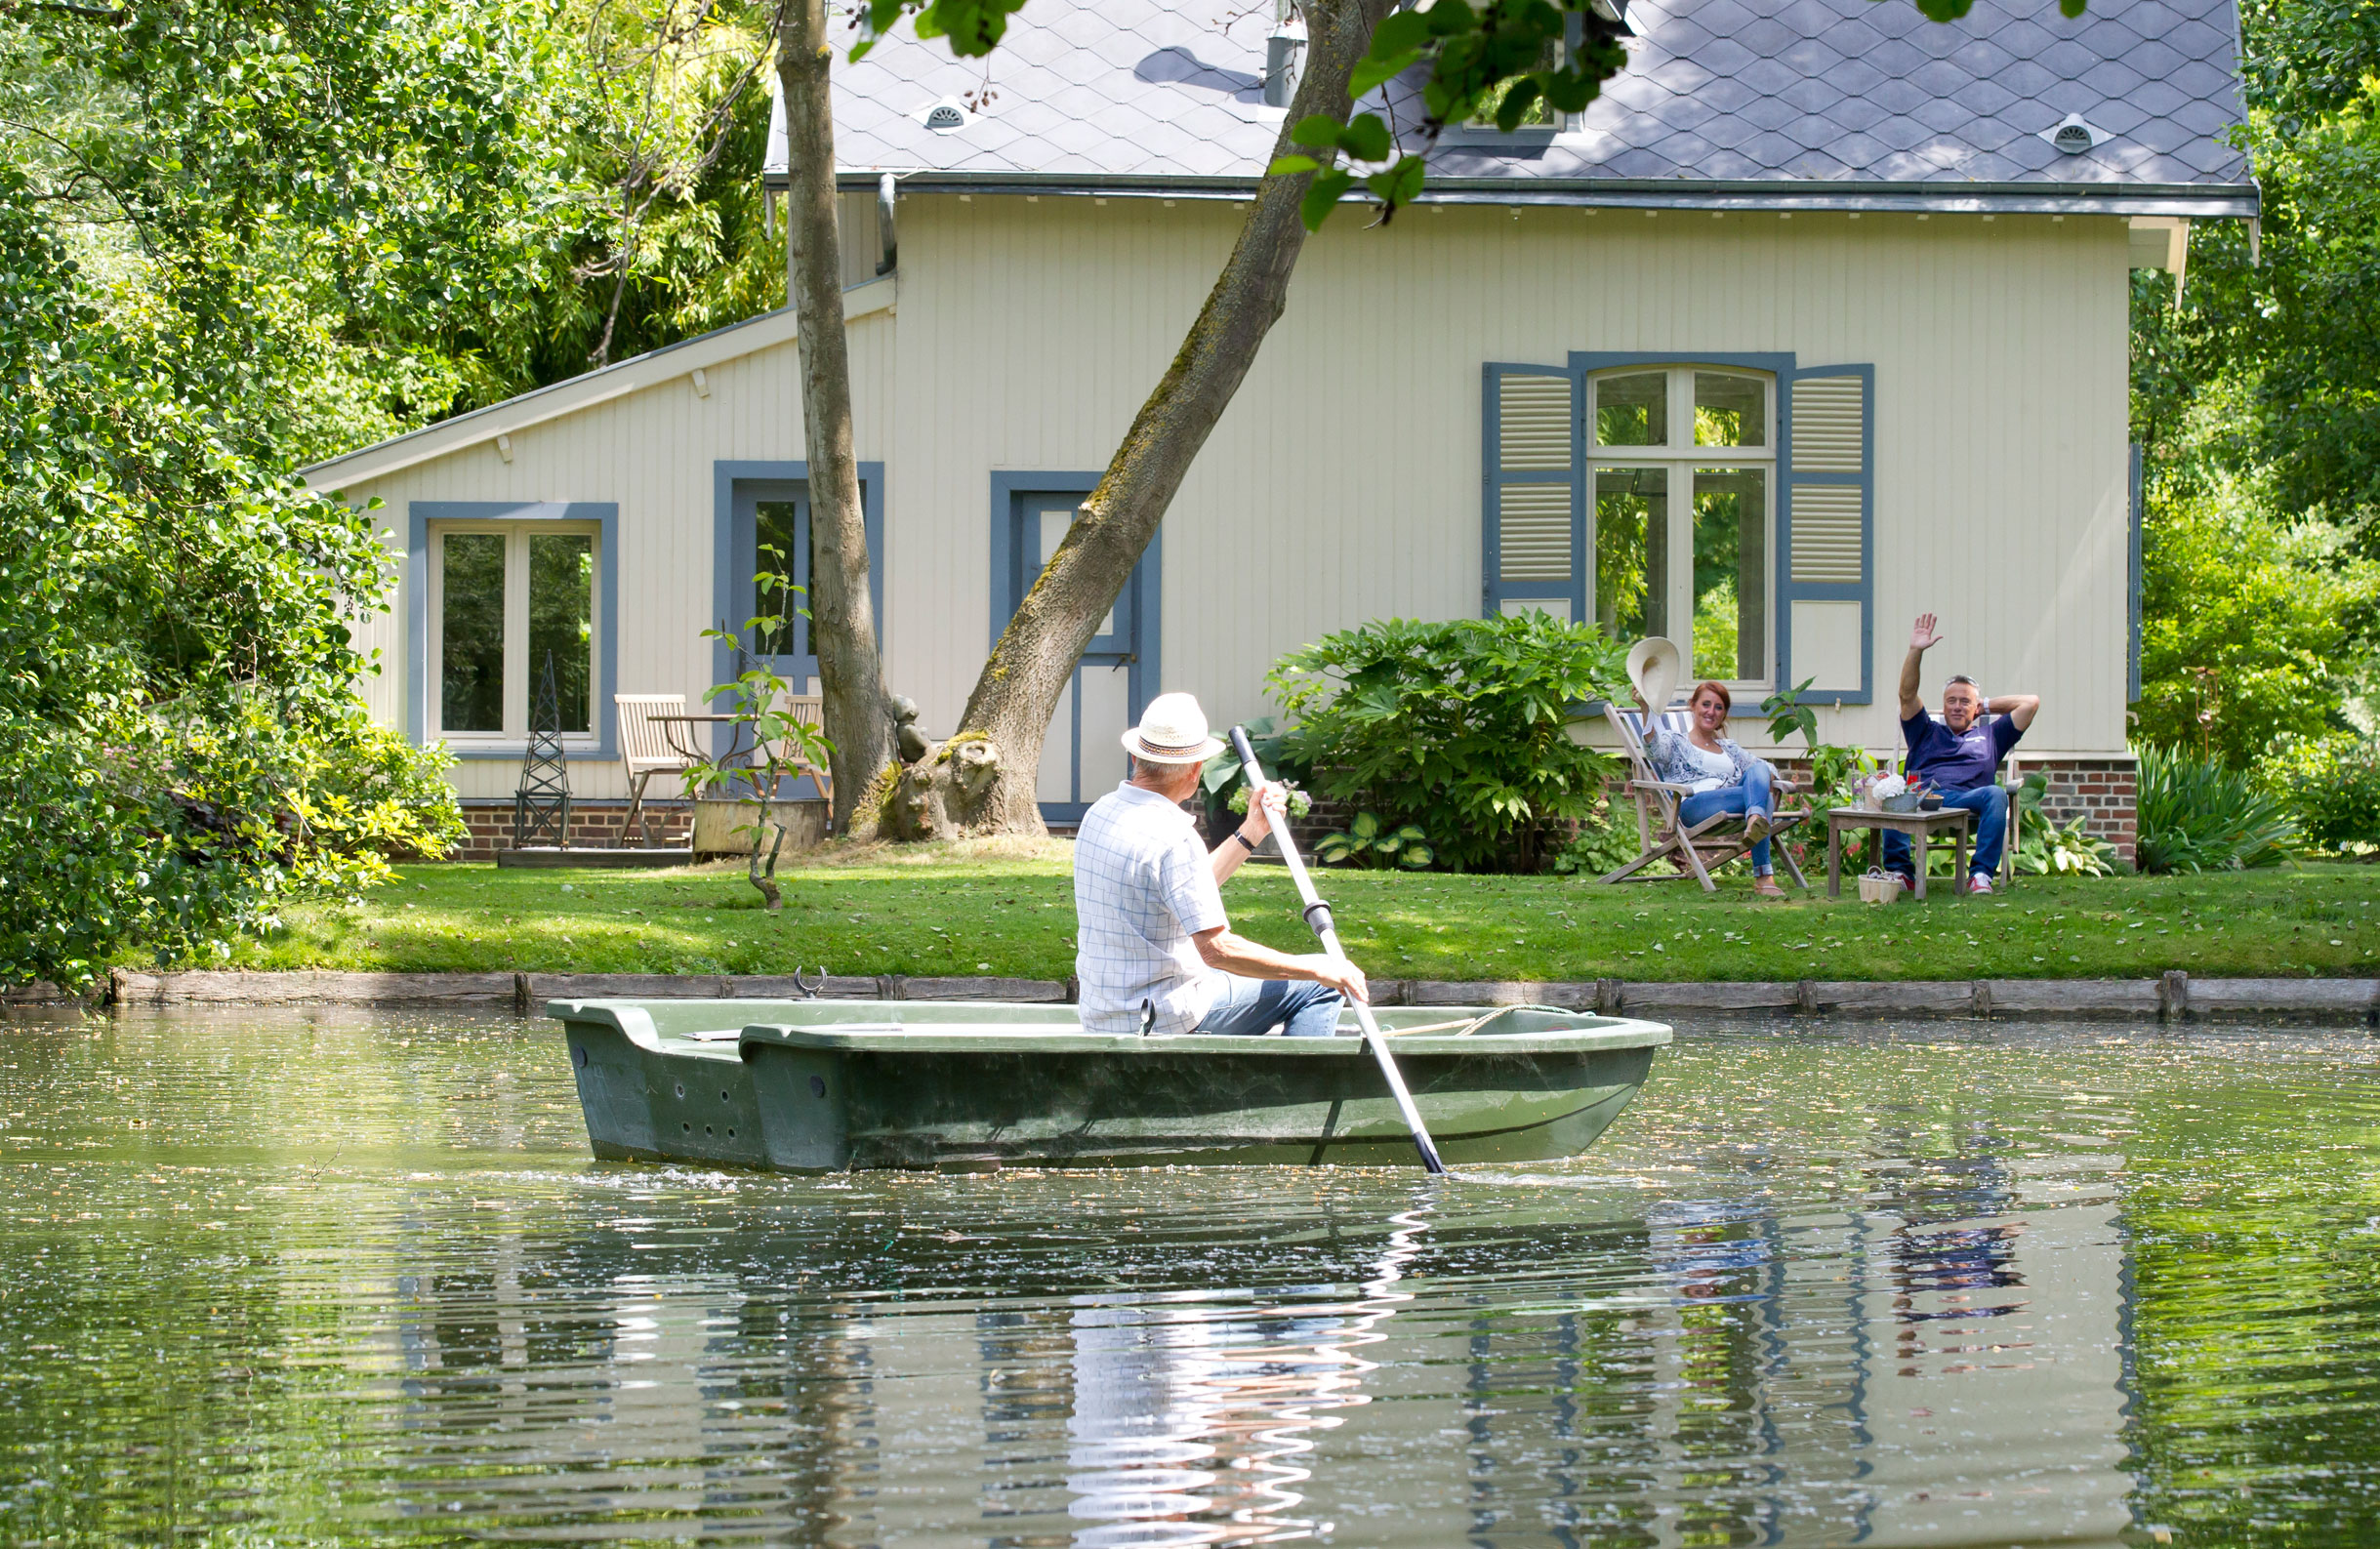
{"type": "Point", "coordinates": [1318, 130]}
{"type": "Point", "coordinates": [1365, 137]}
{"type": "Point", "coordinates": [1399, 186]}
{"type": "Point", "coordinates": [1517, 101]}
{"type": "Point", "coordinates": [1417, 857]}
{"type": "Point", "coordinates": [1365, 828]}
{"type": "Point", "coordinates": [1450, 17]}
{"type": "Point", "coordinates": [1370, 74]}
{"type": "Point", "coordinates": [1400, 32]}
{"type": "Point", "coordinates": [1323, 196]}
{"type": "Point", "coordinates": [2071, 8]}
{"type": "Point", "coordinates": [1291, 166]}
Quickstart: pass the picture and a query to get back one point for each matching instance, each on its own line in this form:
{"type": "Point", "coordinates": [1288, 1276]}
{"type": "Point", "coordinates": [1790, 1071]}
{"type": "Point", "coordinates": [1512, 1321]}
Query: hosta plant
{"type": "Point", "coordinates": [1369, 842]}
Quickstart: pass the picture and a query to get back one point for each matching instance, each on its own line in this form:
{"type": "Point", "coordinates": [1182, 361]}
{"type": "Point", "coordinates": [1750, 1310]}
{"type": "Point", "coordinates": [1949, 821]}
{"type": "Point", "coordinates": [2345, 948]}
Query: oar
{"type": "Point", "coordinates": [1318, 916]}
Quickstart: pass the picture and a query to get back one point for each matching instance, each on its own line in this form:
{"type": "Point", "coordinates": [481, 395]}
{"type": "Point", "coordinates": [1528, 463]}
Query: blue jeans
{"type": "Point", "coordinates": [1256, 1005]}
{"type": "Point", "coordinates": [1990, 805]}
{"type": "Point", "coordinates": [1754, 793]}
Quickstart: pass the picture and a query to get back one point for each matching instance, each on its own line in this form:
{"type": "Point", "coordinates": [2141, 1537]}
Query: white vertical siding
{"type": "Point", "coordinates": [652, 453]}
{"type": "Point", "coordinates": [1344, 482]}
{"type": "Point", "coordinates": [1351, 455]}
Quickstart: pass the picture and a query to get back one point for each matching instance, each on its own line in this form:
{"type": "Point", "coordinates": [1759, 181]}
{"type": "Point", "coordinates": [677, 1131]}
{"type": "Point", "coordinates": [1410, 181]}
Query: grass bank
{"type": "Point", "coordinates": [1007, 908]}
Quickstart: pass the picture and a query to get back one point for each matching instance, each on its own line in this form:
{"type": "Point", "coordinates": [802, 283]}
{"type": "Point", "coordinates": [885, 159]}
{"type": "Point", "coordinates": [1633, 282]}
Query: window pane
{"type": "Point", "coordinates": [561, 623]}
{"type": "Point", "coordinates": [471, 622]}
{"type": "Point", "coordinates": [1730, 410]}
{"type": "Point", "coordinates": [776, 526]}
{"type": "Point", "coordinates": [1731, 585]}
{"type": "Point", "coordinates": [1632, 551]}
{"type": "Point", "coordinates": [1633, 411]}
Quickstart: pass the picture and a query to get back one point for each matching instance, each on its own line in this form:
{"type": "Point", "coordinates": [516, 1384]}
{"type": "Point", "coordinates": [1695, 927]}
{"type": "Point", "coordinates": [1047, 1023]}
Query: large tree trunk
{"type": "Point", "coordinates": [843, 615]}
{"type": "Point", "coordinates": [983, 777]}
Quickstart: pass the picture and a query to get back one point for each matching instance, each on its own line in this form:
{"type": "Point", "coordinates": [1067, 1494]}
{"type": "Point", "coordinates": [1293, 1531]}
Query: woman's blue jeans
{"type": "Point", "coordinates": [1308, 1010]}
{"type": "Point", "coordinates": [1754, 793]}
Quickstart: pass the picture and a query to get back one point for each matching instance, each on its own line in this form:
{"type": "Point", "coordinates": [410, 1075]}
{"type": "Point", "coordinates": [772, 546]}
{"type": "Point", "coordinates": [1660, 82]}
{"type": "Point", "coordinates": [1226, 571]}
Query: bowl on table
{"type": "Point", "coordinates": [1930, 805]}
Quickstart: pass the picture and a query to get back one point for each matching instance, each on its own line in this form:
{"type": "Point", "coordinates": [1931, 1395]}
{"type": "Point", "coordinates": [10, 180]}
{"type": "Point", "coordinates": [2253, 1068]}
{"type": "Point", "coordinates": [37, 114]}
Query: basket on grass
{"type": "Point", "coordinates": [1879, 886]}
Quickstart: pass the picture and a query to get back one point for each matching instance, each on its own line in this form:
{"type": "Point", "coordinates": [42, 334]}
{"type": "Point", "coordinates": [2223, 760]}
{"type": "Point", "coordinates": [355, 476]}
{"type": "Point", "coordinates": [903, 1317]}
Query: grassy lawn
{"type": "Point", "coordinates": [1007, 908]}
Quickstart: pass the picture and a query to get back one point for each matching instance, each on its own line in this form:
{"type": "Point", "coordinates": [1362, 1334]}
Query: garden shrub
{"type": "Point", "coordinates": [1459, 728]}
{"type": "Point", "coordinates": [2331, 787]}
{"type": "Point", "coordinates": [181, 741]}
{"type": "Point", "coordinates": [2196, 815]}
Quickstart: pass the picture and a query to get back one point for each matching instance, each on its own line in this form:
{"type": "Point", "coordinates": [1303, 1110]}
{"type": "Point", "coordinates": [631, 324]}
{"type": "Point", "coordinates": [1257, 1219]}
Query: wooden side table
{"type": "Point", "coordinates": [1920, 827]}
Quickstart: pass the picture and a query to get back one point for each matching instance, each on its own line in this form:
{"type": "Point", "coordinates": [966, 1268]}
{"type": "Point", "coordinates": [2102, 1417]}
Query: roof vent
{"type": "Point", "coordinates": [943, 116]}
{"type": "Point", "coordinates": [2073, 136]}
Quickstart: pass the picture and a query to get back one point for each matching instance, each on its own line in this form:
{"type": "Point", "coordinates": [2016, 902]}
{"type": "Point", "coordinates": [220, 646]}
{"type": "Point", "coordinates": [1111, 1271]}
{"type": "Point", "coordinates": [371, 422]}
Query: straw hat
{"type": "Point", "coordinates": [1172, 730]}
{"type": "Point", "coordinates": [1655, 666]}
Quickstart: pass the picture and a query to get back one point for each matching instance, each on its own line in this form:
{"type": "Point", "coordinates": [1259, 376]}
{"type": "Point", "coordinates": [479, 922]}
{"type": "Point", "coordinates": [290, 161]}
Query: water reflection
{"type": "Point", "coordinates": [352, 1282]}
{"type": "Point", "coordinates": [1192, 1423]}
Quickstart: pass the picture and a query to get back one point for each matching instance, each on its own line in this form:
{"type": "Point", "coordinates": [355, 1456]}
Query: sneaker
{"type": "Point", "coordinates": [1756, 825]}
{"type": "Point", "coordinates": [1907, 882]}
{"type": "Point", "coordinates": [1979, 884]}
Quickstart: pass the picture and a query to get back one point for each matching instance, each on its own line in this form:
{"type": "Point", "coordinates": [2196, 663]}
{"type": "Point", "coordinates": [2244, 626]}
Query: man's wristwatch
{"type": "Point", "coordinates": [1245, 843]}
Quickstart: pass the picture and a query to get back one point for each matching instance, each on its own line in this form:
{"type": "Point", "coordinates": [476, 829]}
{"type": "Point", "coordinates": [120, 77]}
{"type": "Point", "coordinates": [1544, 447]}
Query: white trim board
{"type": "Point", "coordinates": [482, 427]}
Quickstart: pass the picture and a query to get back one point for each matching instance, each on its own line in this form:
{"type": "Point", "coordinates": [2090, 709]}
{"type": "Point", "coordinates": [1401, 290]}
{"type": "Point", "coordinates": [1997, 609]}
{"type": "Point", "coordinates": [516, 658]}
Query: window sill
{"type": "Point", "coordinates": [517, 750]}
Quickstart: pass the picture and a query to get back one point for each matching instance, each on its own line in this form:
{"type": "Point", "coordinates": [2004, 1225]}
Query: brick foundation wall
{"type": "Point", "coordinates": [2105, 792]}
{"type": "Point", "coordinates": [593, 824]}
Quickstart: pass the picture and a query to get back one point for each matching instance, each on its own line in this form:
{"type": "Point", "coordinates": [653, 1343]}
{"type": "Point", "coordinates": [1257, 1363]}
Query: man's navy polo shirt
{"type": "Point", "coordinates": [1949, 760]}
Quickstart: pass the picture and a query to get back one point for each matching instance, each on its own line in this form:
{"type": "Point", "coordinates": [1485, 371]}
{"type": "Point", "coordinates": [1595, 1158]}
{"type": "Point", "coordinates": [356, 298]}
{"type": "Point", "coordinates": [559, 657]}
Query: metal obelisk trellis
{"type": "Point", "coordinates": [540, 807]}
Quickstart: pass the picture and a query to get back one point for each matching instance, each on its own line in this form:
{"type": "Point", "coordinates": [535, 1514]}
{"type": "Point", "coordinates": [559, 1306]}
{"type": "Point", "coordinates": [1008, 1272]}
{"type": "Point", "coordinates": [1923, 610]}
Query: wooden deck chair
{"type": "Point", "coordinates": [810, 711]}
{"type": "Point", "coordinates": [1710, 844]}
{"type": "Point", "coordinates": [647, 751]}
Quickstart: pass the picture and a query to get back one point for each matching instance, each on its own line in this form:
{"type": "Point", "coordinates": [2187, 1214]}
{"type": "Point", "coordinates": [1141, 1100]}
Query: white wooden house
{"type": "Point", "coordinates": [1816, 320]}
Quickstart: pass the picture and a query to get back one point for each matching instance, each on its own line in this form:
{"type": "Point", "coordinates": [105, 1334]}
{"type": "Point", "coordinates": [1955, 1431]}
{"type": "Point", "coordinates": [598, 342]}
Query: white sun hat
{"type": "Point", "coordinates": [1655, 666]}
{"type": "Point", "coordinates": [1172, 730]}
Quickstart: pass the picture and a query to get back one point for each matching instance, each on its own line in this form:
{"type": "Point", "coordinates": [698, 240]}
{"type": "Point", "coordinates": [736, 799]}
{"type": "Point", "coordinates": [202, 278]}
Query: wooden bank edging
{"type": "Point", "coordinates": [2173, 997]}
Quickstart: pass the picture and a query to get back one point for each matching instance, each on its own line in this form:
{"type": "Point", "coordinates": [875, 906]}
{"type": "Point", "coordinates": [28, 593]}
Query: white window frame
{"type": "Point", "coordinates": [517, 675]}
{"type": "Point", "coordinates": [1681, 458]}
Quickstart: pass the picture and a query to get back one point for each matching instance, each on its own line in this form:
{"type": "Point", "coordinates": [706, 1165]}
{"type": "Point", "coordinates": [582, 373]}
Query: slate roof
{"type": "Point", "coordinates": [1814, 103]}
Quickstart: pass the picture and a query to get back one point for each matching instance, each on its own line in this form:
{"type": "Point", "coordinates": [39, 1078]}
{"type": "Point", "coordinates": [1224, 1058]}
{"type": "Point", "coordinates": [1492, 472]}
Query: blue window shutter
{"type": "Point", "coordinates": [1825, 589]}
{"type": "Point", "coordinates": [1533, 511]}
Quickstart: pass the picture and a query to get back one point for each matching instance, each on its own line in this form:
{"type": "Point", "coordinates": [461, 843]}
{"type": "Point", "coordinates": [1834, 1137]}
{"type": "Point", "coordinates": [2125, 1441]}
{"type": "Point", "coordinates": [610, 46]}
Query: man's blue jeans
{"type": "Point", "coordinates": [1258, 1005]}
{"type": "Point", "coordinates": [1755, 791]}
{"type": "Point", "coordinates": [1990, 805]}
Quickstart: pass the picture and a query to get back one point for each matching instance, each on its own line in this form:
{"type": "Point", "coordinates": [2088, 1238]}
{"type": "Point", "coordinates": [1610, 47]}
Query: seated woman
{"type": "Point", "coordinates": [1722, 776]}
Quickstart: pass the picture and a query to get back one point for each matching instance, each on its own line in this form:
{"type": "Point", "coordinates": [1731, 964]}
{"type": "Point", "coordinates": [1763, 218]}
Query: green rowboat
{"type": "Point", "coordinates": [825, 1085]}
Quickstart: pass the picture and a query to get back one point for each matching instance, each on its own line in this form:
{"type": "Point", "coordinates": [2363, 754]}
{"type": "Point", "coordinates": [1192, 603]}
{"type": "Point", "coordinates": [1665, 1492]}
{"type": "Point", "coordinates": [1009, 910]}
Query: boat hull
{"type": "Point", "coordinates": [813, 1086]}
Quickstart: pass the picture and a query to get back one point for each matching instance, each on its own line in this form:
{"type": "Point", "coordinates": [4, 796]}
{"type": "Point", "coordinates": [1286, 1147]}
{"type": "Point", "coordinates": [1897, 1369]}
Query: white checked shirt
{"type": "Point", "coordinates": [1143, 887]}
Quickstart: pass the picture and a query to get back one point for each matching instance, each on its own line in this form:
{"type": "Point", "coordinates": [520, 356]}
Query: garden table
{"type": "Point", "coordinates": [673, 725]}
{"type": "Point", "coordinates": [1920, 826]}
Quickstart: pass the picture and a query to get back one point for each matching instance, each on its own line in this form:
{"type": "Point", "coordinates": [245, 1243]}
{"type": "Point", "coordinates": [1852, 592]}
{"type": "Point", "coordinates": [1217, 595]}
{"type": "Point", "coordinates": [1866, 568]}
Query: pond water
{"type": "Point", "coordinates": [284, 1279]}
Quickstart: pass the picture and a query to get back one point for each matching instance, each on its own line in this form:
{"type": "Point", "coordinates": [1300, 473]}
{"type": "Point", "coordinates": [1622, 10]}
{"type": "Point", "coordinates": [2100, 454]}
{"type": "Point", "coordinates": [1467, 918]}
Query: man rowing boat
{"type": "Point", "coordinates": [1154, 949]}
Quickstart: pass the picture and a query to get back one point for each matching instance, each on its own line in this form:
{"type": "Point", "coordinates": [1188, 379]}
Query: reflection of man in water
{"type": "Point", "coordinates": [1190, 1423]}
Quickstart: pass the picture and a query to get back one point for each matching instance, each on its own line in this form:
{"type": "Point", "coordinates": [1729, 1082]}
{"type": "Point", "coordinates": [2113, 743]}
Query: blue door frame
{"type": "Point", "coordinates": [739, 489]}
{"type": "Point", "coordinates": [1018, 502]}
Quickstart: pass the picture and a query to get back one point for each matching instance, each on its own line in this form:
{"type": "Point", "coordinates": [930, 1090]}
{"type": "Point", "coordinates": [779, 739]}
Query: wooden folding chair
{"type": "Point", "coordinates": [1710, 844]}
{"type": "Point", "coordinates": [647, 751]}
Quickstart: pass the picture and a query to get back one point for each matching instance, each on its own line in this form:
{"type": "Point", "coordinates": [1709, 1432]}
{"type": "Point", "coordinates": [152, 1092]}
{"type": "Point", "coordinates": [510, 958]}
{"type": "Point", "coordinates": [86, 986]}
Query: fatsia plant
{"type": "Point", "coordinates": [1459, 728]}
